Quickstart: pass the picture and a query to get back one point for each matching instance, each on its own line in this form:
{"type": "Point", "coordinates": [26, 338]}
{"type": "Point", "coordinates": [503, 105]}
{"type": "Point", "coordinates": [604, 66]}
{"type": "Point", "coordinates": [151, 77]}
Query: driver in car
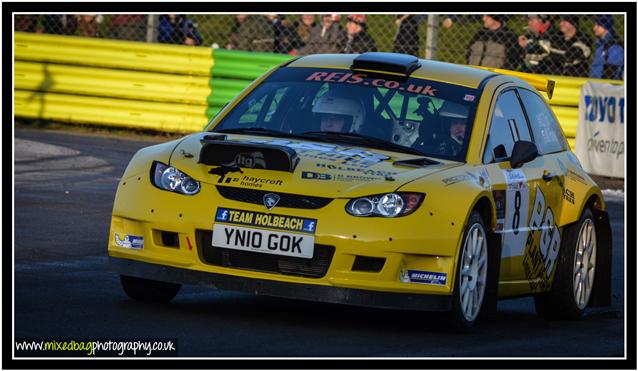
{"type": "Point", "coordinates": [455, 116]}
{"type": "Point", "coordinates": [338, 114]}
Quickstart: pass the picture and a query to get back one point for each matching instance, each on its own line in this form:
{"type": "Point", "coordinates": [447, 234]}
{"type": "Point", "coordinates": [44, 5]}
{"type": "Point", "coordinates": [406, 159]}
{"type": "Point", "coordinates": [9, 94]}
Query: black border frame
{"type": "Point", "coordinates": [401, 7]}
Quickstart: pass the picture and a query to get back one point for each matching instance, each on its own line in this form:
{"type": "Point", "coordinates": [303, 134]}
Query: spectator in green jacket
{"type": "Point", "coordinates": [252, 33]}
{"type": "Point", "coordinates": [494, 45]}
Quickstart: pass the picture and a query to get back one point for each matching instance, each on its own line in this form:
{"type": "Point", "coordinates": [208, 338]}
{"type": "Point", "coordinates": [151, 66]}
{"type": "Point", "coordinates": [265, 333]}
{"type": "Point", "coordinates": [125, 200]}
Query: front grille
{"type": "Point", "coordinates": [254, 196]}
{"type": "Point", "coordinates": [291, 266]}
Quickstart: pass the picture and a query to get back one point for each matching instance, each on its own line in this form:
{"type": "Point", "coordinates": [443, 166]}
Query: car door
{"type": "Point", "coordinates": [550, 192]}
{"type": "Point", "coordinates": [515, 192]}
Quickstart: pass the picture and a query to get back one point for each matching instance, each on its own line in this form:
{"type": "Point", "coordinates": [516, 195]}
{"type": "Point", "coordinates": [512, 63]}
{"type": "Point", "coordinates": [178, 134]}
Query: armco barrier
{"type": "Point", "coordinates": [65, 78]}
{"type": "Point", "coordinates": [112, 54]}
{"type": "Point", "coordinates": [163, 87]}
{"type": "Point", "coordinates": [168, 117]}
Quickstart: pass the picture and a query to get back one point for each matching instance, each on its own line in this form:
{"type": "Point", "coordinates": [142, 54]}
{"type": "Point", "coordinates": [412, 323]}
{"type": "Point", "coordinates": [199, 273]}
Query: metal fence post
{"type": "Point", "coordinates": [151, 28]}
{"type": "Point", "coordinates": [431, 36]}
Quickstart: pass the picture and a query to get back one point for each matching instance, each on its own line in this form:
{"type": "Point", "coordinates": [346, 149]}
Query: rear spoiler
{"type": "Point", "coordinates": [538, 82]}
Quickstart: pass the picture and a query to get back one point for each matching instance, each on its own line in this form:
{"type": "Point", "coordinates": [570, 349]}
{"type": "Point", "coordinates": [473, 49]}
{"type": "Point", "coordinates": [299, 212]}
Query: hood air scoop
{"type": "Point", "coordinates": [251, 156]}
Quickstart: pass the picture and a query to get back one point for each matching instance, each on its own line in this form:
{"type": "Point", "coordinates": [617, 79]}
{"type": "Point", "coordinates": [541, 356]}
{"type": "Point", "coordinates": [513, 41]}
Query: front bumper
{"type": "Point", "coordinates": [329, 294]}
{"type": "Point", "coordinates": [423, 243]}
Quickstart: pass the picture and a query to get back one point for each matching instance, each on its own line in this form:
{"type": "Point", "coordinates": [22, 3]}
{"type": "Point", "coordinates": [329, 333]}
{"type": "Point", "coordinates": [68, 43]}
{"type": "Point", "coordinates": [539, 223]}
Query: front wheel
{"type": "Point", "coordinates": [149, 290]}
{"type": "Point", "coordinates": [575, 273]}
{"type": "Point", "coordinates": [472, 275]}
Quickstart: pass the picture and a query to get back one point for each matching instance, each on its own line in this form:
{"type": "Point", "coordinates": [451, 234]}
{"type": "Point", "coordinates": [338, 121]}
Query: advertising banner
{"type": "Point", "coordinates": [600, 136]}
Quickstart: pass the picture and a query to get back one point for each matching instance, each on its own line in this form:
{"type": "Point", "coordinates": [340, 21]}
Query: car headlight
{"type": "Point", "coordinates": [387, 205]}
{"type": "Point", "coordinates": [170, 179]}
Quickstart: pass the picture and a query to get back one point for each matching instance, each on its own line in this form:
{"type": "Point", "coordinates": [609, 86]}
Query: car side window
{"type": "Point", "coordinates": [547, 134]}
{"type": "Point", "coordinates": [507, 127]}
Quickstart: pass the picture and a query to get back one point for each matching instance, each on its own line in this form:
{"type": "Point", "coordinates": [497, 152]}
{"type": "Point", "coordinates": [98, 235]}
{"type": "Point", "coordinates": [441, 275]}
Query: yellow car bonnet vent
{"type": "Point", "coordinates": [538, 82]}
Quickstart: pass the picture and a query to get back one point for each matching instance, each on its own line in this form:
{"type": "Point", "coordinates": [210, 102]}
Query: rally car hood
{"type": "Point", "coordinates": [316, 168]}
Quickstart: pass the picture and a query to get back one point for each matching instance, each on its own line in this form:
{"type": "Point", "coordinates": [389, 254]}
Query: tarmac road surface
{"type": "Point", "coordinates": [64, 189]}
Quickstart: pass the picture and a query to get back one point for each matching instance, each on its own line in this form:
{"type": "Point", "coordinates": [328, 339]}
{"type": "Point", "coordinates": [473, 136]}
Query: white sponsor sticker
{"type": "Point", "coordinates": [515, 226]}
{"type": "Point", "coordinates": [129, 241]}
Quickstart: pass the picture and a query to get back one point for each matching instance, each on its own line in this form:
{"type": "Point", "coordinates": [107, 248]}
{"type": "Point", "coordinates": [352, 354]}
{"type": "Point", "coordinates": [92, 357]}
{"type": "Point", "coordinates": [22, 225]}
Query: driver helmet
{"type": "Point", "coordinates": [352, 110]}
{"type": "Point", "coordinates": [453, 113]}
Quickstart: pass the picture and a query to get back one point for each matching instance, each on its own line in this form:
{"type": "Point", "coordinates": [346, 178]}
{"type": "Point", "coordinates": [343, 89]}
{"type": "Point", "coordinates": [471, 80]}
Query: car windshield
{"type": "Point", "coordinates": [380, 111]}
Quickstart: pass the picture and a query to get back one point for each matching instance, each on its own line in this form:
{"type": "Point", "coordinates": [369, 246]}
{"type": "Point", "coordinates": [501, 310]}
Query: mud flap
{"type": "Point", "coordinates": [601, 294]}
{"type": "Point", "coordinates": [491, 290]}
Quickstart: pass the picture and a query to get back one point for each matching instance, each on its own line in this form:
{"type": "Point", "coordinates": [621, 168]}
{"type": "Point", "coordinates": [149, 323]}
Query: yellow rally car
{"type": "Point", "coordinates": [376, 179]}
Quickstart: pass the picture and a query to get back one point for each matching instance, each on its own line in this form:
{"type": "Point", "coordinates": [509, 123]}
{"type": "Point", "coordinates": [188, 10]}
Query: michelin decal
{"type": "Point", "coordinates": [416, 276]}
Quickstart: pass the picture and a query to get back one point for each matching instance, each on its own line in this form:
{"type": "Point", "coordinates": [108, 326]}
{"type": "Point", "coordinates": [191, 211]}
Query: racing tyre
{"type": "Point", "coordinates": [575, 272]}
{"type": "Point", "coordinates": [149, 290]}
{"type": "Point", "coordinates": [472, 275]}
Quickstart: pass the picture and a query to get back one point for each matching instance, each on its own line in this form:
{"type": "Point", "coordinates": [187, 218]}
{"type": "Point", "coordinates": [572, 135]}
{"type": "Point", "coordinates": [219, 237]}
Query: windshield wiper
{"type": "Point", "coordinates": [359, 139]}
{"type": "Point", "coordinates": [259, 131]}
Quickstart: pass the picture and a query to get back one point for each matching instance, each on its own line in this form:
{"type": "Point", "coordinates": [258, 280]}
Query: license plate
{"type": "Point", "coordinates": [263, 241]}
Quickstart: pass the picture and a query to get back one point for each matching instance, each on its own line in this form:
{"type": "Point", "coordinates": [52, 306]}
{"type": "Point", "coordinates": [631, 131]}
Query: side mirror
{"type": "Point", "coordinates": [523, 152]}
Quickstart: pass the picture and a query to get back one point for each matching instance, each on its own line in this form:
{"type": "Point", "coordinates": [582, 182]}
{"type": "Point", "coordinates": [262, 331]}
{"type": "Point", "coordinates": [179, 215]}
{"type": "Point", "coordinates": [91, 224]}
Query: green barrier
{"type": "Point", "coordinates": [250, 57]}
{"type": "Point", "coordinates": [159, 86]}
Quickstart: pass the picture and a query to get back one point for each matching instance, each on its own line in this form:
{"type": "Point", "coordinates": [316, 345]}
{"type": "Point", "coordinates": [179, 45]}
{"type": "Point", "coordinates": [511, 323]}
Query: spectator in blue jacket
{"type": "Point", "coordinates": [608, 62]}
{"type": "Point", "coordinates": [177, 29]}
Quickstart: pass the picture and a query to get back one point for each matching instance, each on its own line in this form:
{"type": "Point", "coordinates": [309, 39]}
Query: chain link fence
{"type": "Point", "coordinates": [567, 45]}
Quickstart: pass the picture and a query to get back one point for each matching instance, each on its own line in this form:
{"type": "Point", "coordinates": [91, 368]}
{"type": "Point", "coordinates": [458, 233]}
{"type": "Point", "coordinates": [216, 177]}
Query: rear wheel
{"type": "Point", "coordinates": [472, 274]}
{"type": "Point", "coordinates": [575, 272]}
{"type": "Point", "coordinates": [149, 290]}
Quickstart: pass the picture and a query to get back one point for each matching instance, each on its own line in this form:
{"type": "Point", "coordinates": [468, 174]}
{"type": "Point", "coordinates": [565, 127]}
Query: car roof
{"type": "Point", "coordinates": [430, 70]}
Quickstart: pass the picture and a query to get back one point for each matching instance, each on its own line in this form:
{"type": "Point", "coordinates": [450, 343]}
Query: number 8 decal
{"type": "Point", "coordinates": [516, 213]}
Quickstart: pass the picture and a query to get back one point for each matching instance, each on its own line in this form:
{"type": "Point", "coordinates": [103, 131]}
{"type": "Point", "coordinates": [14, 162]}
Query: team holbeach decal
{"type": "Point", "coordinates": [259, 219]}
{"type": "Point", "coordinates": [519, 229]}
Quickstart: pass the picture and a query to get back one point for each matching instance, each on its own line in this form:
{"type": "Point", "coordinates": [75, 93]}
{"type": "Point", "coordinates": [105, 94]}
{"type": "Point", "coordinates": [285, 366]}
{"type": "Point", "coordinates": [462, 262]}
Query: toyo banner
{"type": "Point", "coordinates": [600, 136]}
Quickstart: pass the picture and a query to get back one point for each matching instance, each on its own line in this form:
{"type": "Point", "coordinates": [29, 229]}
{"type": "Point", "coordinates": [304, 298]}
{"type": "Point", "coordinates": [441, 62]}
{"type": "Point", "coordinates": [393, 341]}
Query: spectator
{"type": "Point", "coordinates": [494, 45]}
{"type": "Point", "coordinates": [537, 46]}
{"type": "Point", "coordinates": [327, 37]}
{"type": "Point", "coordinates": [608, 62]}
{"type": "Point", "coordinates": [26, 22]}
{"type": "Point", "coordinates": [87, 24]}
{"type": "Point", "coordinates": [406, 40]}
{"type": "Point", "coordinates": [128, 27]}
{"type": "Point", "coordinates": [451, 19]}
{"type": "Point", "coordinates": [358, 40]}
{"type": "Point", "coordinates": [286, 38]}
{"type": "Point", "coordinates": [56, 24]}
{"type": "Point", "coordinates": [178, 29]}
{"type": "Point", "coordinates": [574, 47]}
{"type": "Point", "coordinates": [303, 26]}
{"type": "Point", "coordinates": [232, 36]}
{"type": "Point", "coordinates": [252, 33]}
